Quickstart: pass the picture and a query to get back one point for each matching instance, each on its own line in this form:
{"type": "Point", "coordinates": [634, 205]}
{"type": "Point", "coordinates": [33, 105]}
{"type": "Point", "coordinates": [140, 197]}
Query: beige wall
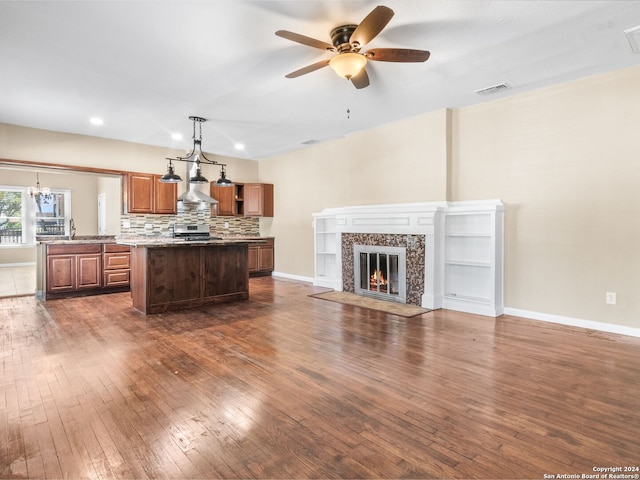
{"type": "Point", "coordinates": [397, 163]}
{"type": "Point", "coordinates": [566, 163]}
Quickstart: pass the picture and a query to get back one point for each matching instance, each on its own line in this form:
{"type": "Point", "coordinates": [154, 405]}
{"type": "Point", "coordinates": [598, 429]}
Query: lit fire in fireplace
{"type": "Point", "coordinates": [378, 276]}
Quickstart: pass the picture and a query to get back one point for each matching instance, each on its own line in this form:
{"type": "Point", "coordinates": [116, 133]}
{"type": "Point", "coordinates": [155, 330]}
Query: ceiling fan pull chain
{"type": "Point", "coordinates": [349, 94]}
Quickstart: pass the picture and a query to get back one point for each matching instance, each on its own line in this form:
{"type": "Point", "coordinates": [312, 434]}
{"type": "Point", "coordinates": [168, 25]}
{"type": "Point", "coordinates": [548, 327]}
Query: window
{"type": "Point", "coordinates": [50, 214]}
{"type": "Point", "coordinates": [12, 224]}
{"type": "Point", "coordinates": [23, 217]}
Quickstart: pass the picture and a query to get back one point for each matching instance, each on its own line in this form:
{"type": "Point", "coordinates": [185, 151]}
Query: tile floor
{"type": "Point", "coordinates": [17, 281]}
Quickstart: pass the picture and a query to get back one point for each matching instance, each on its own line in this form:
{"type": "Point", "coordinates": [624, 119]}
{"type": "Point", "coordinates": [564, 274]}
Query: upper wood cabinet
{"type": "Point", "coordinates": [243, 200]}
{"type": "Point", "coordinates": [258, 200]}
{"type": "Point", "coordinates": [145, 194]}
{"type": "Point", "coordinates": [226, 200]}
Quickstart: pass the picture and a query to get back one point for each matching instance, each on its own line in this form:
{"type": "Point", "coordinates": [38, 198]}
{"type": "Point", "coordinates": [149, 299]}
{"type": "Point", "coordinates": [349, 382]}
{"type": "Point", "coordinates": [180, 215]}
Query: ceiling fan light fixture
{"type": "Point", "coordinates": [348, 64]}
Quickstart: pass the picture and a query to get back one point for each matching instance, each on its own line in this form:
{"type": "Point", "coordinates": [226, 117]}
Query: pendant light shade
{"type": "Point", "coordinates": [170, 176]}
{"type": "Point", "coordinates": [198, 177]}
{"type": "Point", "coordinates": [223, 181]}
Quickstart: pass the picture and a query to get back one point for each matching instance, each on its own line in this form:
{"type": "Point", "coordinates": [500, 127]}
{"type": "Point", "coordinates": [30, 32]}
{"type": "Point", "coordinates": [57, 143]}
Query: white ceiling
{"type": "Point", "coordinates": [146, 66]}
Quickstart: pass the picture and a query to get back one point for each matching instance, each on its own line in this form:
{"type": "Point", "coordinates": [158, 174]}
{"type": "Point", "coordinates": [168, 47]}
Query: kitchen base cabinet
{"type": "Point", "coordinates": [117, 265]}
{"type": "Point", "coordinates": [261, 258]}
{"type": "Point", "coordinates": [73, 268]}
{"type": "Point", "coordinates": [76, 269]}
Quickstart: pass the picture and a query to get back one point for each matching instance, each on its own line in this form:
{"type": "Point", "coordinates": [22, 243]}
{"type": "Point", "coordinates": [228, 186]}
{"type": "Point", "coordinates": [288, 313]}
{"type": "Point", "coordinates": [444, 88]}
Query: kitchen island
{"type": "Point", "coordinates": [169, 274]}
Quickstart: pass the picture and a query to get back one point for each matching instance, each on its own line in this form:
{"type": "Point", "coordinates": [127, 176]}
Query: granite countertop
{"type": "Point", "coordinates": [176, 242]}
{"type": "Point", "coordinates": [62, 240]}
{"type": "Point", "coordinates": [150, 240]}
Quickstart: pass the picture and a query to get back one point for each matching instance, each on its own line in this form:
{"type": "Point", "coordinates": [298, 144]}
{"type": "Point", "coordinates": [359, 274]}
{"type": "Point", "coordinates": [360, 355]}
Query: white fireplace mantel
{"type": "Point", "coordinates": [463, 248]}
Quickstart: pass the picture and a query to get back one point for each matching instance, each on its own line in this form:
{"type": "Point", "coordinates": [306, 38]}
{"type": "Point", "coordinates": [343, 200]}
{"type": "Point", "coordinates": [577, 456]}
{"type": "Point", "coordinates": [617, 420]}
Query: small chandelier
{"type": "Point", "coordinates": [196, 156]}
{"type": "Point", "coordinates": [38, 190]}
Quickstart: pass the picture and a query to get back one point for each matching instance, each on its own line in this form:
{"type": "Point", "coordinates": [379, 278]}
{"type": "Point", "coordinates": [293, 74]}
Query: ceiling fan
{"type": "Point", "coordinates": [347, 40]}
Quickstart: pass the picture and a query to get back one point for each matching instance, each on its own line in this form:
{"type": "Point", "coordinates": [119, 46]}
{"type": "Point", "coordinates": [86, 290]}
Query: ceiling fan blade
{"type": "Point", "coordinates": [397, 55]}
{"type": "Point", "coordinates": [361, 80]}
{"type": "Point", "coordinates": [308, 69]}
{"type": "Point", "coordinates": [372, 25]}
{"type": "Point", "coordinates": [310, 42]}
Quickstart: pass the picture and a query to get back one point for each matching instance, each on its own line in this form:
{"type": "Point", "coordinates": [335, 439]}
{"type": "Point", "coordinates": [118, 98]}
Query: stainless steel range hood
{"type": "Point", "coordinates": [194, 194]}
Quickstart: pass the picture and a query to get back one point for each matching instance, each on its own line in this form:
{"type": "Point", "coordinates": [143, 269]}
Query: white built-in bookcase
{"type": "Point", "coordinates": [328, 258]}
{"type": "Point", "coordinates": [473, 258]}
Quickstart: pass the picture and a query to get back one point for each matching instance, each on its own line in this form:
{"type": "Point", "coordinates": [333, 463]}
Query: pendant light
{"type": "Point", "coordinates": [198, 177]}
{"type": "Point", "coordinates": [223, 181]}
{"type": "Point", "coordinates": [170, 176]}
{"type": "Point", "coordinates": [198, 157]}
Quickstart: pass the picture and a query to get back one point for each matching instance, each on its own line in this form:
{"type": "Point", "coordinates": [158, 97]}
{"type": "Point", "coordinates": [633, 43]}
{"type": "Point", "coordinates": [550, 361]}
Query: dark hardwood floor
{"type": "Point", "coordinates": [288, 386]}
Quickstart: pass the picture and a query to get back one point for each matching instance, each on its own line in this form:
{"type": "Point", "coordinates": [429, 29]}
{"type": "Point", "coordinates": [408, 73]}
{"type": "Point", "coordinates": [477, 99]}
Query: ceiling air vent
{"type": "Point", "coordinates": [633, 36]}
{"type": "Point", "coordinates": [491, 90]}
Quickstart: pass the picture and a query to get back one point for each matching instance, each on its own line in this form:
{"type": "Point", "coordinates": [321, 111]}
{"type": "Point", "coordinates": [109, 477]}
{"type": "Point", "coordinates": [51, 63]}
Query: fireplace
{"type": "Point", "coordinates": [454, 253]}
{"type": "Point", "coordinates": [380, 272]}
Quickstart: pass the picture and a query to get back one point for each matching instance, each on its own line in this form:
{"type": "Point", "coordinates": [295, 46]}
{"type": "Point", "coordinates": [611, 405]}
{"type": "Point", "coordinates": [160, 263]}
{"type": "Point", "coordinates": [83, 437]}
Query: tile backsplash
{"type": "Point", "coordinates": [162, 225]}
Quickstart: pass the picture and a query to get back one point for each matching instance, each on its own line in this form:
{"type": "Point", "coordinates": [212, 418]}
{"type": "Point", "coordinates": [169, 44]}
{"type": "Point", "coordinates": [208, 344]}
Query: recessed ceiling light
{"type": "Point", "coordinates": [239, 146]}
{"type": "Point", "coordinates": [96, 121]}
{"type": "Point", "coordinates": [177, 136]}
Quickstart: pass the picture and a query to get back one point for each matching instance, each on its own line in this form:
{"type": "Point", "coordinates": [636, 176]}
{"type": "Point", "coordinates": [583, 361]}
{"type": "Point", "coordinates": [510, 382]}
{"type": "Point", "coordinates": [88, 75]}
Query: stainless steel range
{"type": "Point", "coordinates": [192, 231]}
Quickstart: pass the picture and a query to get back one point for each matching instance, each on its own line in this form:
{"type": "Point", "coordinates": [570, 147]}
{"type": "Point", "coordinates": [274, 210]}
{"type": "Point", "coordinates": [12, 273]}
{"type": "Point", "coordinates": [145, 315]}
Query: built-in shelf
{"type": "Point", "coordinates": [473, 259]}
{"type": "Point", "coordinates": [327, 260]}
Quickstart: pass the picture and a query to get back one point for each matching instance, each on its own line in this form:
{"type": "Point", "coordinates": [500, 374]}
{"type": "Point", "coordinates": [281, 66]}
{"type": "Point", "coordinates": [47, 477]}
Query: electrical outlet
{"type": "Point", "coordinates": [126, 224]}
{"type": "Point", "coordinates": [610, 298]}
{"type": "Point", "coordinates": [226, 224]}
{"type": "Point", "coordinates": [148, 226]}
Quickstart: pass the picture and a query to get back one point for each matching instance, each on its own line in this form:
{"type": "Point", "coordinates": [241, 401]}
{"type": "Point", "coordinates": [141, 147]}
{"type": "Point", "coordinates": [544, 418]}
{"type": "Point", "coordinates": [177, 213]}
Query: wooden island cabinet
{"type": "Point", "coordinates": [173, 276]}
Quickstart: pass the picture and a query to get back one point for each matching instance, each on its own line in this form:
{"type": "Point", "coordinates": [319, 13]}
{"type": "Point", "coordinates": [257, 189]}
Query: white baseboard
{"type": "Point", "coordinates": [516, 312]}
{"type": "Point", "coordinates": [574, 322]}
{"type": "Point", "coordinates": [24, 264]}
{"type": "Point", "coordinates": [299, 278]}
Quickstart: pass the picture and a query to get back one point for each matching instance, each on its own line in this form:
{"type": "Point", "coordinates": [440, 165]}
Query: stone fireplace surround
{"type": "Point", "coordinates": [415, 250]}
